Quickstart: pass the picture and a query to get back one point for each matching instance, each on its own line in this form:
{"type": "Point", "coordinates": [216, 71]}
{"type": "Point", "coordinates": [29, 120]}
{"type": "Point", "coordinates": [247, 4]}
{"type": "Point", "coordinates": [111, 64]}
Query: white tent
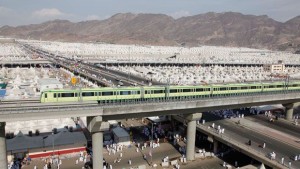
{"type": "Point", "coordinates": [121, 136]}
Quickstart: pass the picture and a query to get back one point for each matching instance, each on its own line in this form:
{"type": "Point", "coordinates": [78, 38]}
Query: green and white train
{"type": "Point", "coordinates": [108, 94]}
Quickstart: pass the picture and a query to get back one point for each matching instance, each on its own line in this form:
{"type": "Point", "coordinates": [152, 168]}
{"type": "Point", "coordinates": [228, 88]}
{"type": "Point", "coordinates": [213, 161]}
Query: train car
{"type": "Point", "coordinates": [92, 94]}
{"type": "Point", "coordinates": [154, 92]}
{"type": "Point", "coordinates": [59, 96]}
{"type": "Point", "coordinates": [236, 89]}
{"type": "Point", "coordinates": [273, 87]}
{"type": "Point", "coordinates": [188, 91]}
{"type": "Point", "coordinates": [293, 86]}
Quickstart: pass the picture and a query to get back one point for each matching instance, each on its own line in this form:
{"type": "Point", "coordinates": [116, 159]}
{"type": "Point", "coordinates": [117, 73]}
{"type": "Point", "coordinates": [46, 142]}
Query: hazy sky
{"type": "Point", "coordinates": [20, 12]}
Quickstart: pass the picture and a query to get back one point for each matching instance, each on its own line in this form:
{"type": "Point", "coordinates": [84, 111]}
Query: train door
{"type": "Point", "coordinates": [216, 91]}
{"type": "Point", "coordinates": [55, 97]}
{"type": "Point", "coordinates": [45, 97]}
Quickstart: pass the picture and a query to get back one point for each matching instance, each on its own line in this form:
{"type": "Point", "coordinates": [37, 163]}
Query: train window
{"type": "Point", "coordinates": [222, 88]}
{"type": "Point", "coordinates": [67, 94]}
{"type": "Point", "coordinates": [45, 95]}
{"type": "Point", "coordinates": [186, 90]}
{"type": "Point", "coordinates": [107, 93]}
{"type": "Point", "coordinates": [199, 90]}
{"type": "Point", "coordinates": [55, 95]}
{"type": "Point", "coordinates": [99, 93]}
{"type": "Point", "coordinates": [253, 87]}
{"type": "Point", "coordinates": [271, 86]}
{"type": "Point", "coordinates": [244, 88]}
{"type": "Point", "coordinates": [234, 88]}
{"type": "Point", "coordinates": [173, 90]}
{"type": "Point", "coordinates": [125, 92]}
{"type": "Point", "coordinates": [158, 91]}
{"type": "Point", "coordinates": [88, 94]}
{"type": "Point", "coordinates": [135, 92]}
{"type": "Point", "coordinates": [148, 92]}
{"type": "Point", "coordinates": [295, 85]}
{"type": "Point", "coordinates": [76, 94]}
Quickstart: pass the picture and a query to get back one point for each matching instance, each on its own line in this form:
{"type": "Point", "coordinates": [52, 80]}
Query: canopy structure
{"type": "Point", "coordinates": [65, 137]}
{"type": "Point", "coordinates": [121, 136]}
{"type": "Point", "coordinates": [22, 142]}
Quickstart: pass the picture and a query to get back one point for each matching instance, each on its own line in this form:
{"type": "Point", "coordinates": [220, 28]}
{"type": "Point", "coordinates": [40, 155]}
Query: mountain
{"type": "Point", "coordinates": [222, 29]}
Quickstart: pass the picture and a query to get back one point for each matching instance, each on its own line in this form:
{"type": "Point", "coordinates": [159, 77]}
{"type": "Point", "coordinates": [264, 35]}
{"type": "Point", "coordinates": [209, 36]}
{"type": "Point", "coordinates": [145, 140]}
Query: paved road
{"type": "Point", "coordinates": [280, 124]}
{"type": "Point", "coordinates": [258, 135]}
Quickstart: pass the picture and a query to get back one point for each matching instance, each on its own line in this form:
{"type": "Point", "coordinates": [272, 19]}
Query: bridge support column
{"type": "Point", "coordinates": [96, 126]}
{"type": "Point", "coordinates": [97, 139]}
{"type": "Point", "coordinates": [191, 135]}
{"type": "Point", "coordinates": [3, 156]}
{"type": "Point", "coordinates": [216, 145]}
{"type": "Point", "coordinates": [289, 110]}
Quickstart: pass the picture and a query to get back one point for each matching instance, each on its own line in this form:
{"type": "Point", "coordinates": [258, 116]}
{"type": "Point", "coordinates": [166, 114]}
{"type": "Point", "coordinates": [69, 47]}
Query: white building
{"type": "Point", "coordinates": [49, 83]}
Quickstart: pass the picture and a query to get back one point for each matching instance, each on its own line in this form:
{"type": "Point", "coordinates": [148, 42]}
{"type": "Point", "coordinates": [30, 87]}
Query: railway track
{"type": "Point", "coordinates": [92, 69]}
{"type": "Point", "coordinates": [114, 76]}
{"type": "Point", "coordinates": [40, 106]}
{"type": "Point", "coordinates": [8, 102]}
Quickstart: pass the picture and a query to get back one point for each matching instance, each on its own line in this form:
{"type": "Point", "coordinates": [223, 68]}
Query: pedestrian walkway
{"type": "Point", "coordinates": [283, 137]}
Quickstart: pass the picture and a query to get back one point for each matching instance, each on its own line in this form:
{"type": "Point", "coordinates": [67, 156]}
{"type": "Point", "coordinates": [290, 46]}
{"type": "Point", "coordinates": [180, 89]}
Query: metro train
{"type": "Point", "coordinates": [107, 94]}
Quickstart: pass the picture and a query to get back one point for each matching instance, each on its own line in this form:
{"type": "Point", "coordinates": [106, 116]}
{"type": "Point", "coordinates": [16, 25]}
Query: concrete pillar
{"type": "Point", "coordinates": [216, 144]}
{"type": "Point", "coordinates": [289, 110]}
{"type": "Point", "coordinates": [97, 139]}
{"type": "Point", "coordinates": [96, 126]}
{"type": "Point", "coordinates": [191, 134]}
{"type": "Point", "coordinates": [191, 138]}
{"type": "Point", "coordinates": [3, 156]}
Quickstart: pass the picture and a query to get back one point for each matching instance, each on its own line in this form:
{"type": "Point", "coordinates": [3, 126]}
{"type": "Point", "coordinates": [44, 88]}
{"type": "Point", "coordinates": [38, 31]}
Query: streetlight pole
{"type": "Point", "coordinates": [151, 142]}
{"type": "Point", "coordinates": [151, 148]}
{"type": "Point", "coordinates": [52, 143]}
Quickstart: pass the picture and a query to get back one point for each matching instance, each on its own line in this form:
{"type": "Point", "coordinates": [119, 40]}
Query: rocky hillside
{"type": "Point", "coordinates": [226, 29]}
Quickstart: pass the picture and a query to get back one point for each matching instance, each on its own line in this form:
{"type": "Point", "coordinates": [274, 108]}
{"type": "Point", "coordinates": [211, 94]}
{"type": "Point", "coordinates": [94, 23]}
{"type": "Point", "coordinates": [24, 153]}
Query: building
{"type": "Point", "coordinates": [274, 68]}
{"type": "Point", "coordinates": [49, 83]}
